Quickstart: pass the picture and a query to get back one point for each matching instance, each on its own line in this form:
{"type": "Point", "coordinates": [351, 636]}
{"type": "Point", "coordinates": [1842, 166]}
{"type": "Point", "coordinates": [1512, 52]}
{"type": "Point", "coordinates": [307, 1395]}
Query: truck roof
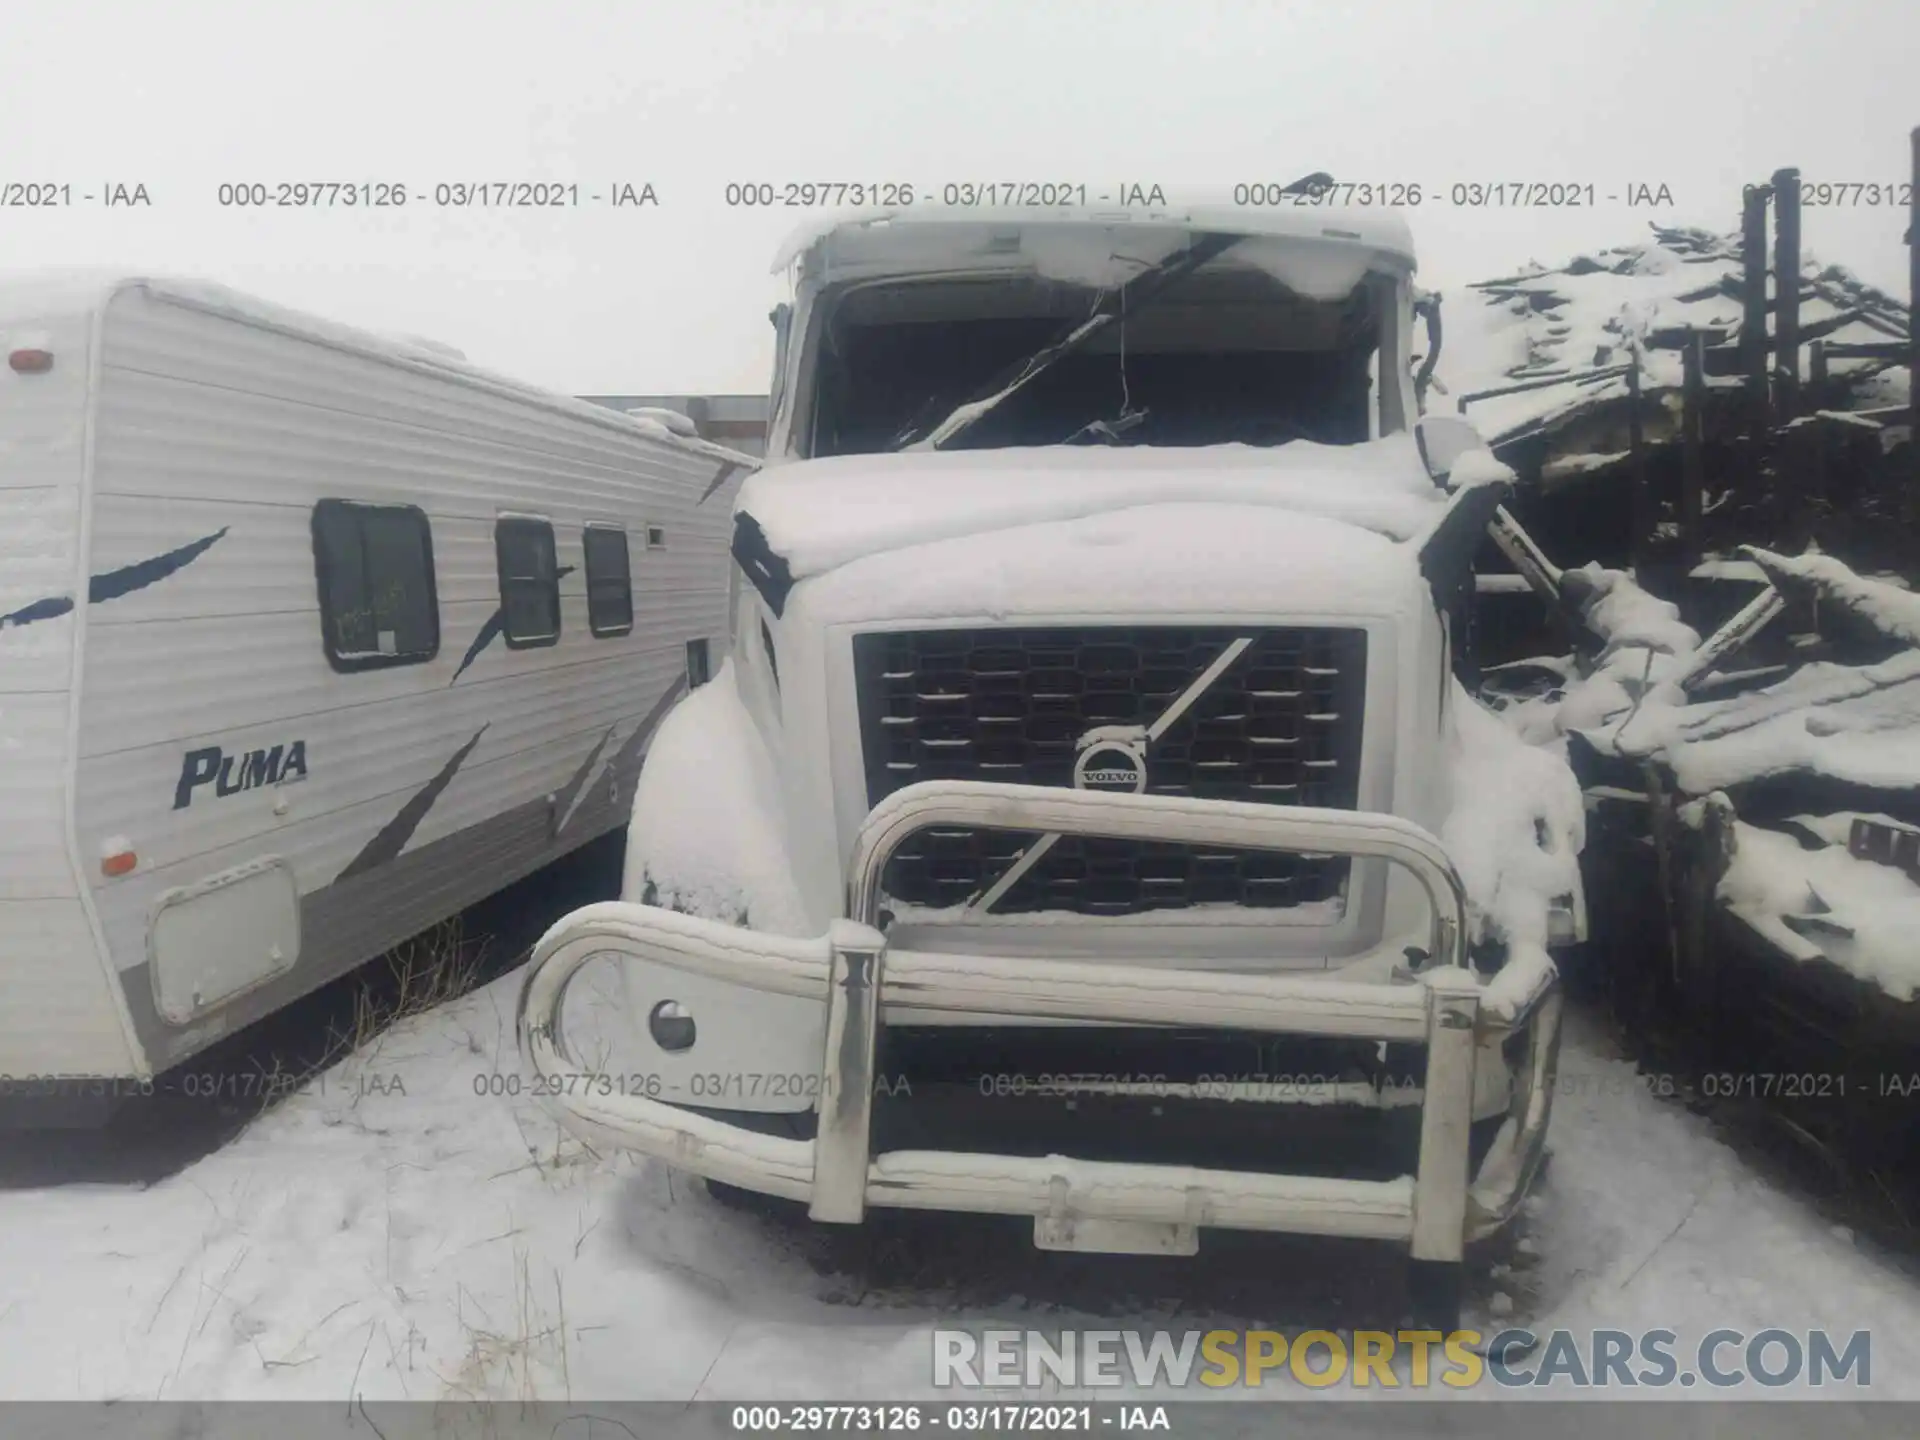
{"type": "Point", "coordinates": [931, 238]}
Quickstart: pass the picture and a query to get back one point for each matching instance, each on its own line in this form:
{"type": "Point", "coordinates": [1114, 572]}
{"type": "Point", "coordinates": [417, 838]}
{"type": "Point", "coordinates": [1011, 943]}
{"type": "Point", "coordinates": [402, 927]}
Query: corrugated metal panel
{"type": "Point", "coordinates": [208, 426]}
{"type": "Point", "coordinates": [57, 1010]}
{"type": "Point", "coordinates": [57, 1015]}
{"type": "Point", "coordinates": [363, 764]}
{"type": "Point", "coordinates": [33, 802]}
{"type": "Point", "coordinates": [39, 545]}
{"type": "Point", "coordinates": [339, 924]}
{"type": "Point", "coordinates": [249, 670]}
{"type": "Point", "coordinates": [42, 456]}
{"type": "Point", "coordinates": [445, 417]}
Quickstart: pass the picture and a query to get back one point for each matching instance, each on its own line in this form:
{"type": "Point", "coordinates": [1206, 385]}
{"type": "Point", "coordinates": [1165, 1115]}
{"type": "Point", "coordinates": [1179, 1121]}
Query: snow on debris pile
{"type": "Point", "coordinates": [1862, 610]}
{"type": "Point", "coordinates": [1591, 312]}
{"type": "Point", "coordinates": [1644, 646]}
{"type": "Point", "coordinates": [1626, 616]}
{"type": "Point", "coordinates": [1858, 724]}
{"type": "Point", "coordinates": [1826, 745]}
{"type": "Point", "coordinates": [1813, 898]}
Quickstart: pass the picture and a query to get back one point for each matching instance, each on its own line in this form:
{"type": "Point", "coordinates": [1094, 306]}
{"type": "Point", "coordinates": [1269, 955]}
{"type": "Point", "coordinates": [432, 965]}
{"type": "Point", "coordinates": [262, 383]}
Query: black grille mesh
{"type": "Point", "coordinates": [1280, 725]}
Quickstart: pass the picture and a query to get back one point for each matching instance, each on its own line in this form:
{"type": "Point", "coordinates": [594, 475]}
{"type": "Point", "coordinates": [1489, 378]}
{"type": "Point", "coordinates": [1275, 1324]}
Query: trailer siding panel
{"type": "Point", "coordinates": [424, 786]}
{"type": "Point", "coordinates": [58, 1012]}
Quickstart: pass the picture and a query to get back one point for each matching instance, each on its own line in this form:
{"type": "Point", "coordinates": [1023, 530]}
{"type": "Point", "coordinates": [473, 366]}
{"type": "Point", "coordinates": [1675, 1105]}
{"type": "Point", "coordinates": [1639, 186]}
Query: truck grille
{"type": "Point", "coordinates": [1281, 725]}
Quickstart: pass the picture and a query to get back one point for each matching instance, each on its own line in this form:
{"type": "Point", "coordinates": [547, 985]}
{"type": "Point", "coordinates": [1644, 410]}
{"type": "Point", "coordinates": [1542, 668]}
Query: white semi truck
{"type": "Point", "coordinates": [1087, 822]}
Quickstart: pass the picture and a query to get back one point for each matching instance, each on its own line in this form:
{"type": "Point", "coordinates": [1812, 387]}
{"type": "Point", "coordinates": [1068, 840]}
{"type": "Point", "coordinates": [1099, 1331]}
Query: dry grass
{"type": "Point", "coordinates": [415, 977]}
{"type": "Point", "coordinates": [419, 975]}
{"type": "Point", "coordinates": [507, 1356]}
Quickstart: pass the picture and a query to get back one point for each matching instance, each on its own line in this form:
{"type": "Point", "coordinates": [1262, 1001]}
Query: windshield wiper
{"type": "Point", "coordinates": [1107, 432]}
{"type": "Point", "coordinates": [1139, 291]}
{"type": "Point", "coordinates": [1129, 297]}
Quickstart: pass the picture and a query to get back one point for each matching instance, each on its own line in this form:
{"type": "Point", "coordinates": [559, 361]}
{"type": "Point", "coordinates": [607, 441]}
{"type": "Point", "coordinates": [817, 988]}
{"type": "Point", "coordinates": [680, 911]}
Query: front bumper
{"type": "Point", "coordinates": [1438, 1210]}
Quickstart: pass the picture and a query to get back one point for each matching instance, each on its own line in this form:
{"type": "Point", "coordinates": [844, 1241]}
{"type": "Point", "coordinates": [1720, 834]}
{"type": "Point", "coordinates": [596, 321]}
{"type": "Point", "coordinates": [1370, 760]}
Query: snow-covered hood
{"type": "Point", "coordinates": [1190, 559]}
{"type": "Point", "coordinates": [819, 515]}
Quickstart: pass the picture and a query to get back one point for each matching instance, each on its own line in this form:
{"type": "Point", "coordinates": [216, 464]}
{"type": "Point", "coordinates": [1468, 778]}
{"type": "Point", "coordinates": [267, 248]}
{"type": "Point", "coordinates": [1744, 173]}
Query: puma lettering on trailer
{"type": "Point", "coordinates": [230, 774]}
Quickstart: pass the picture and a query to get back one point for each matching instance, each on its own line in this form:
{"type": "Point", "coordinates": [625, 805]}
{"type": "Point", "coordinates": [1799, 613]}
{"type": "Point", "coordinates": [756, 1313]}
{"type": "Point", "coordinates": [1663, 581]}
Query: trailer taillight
{"type": "Point", "coordinates": [30, 362]}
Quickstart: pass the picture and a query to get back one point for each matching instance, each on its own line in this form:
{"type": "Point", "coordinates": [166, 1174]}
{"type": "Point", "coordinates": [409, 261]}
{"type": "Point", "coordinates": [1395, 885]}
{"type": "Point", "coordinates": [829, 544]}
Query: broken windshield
{"type": "Point", "coordinates": [1210, 355]}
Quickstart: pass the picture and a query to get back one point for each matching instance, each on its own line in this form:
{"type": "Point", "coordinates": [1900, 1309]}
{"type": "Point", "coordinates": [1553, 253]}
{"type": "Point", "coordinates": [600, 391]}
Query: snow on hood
{"type": "Point", "coordinates": [1203, 558]}
{"type": "Point", "coordinates": [822, 514]}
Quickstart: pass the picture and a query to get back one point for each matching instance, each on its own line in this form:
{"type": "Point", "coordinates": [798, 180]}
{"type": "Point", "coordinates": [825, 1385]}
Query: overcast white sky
{"type": "Point", "coordinates": [1195, 95]}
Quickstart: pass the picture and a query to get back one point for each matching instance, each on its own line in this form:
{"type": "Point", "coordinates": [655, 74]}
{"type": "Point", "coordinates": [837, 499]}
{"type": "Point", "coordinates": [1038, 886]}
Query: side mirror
{"type": "Point", "coordinates": [1442, 440]}
{"type": "Point", "coordinates": [782, 317]}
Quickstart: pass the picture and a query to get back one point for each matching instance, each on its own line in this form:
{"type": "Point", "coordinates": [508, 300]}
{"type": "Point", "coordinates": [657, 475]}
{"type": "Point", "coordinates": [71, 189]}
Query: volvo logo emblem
{"type": "Point", "coordinates": [1111, 764]}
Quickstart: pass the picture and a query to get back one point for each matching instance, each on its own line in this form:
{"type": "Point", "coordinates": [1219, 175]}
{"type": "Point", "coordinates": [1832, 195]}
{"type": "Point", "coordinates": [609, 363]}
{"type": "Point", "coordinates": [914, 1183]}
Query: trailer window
{"type": "Point", "coordinates": [373, 565]}
{"type": "Point", "coordinates": [529, 582]}
{"type": "Point", "coordinates": [609, 581]}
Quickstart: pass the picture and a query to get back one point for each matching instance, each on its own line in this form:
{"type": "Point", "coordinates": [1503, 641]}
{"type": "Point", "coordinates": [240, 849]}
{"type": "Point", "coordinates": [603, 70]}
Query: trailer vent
{"type": "Point", "coordinates": [1280, 725]}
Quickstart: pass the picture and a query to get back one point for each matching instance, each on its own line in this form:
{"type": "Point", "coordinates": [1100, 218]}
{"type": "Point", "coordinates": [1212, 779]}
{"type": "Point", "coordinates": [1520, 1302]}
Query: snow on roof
{"type": "Point", "coordinates": [29, 295]}
{"type": "Point", "coordinates": [1579, 316]}
{"type": "Point", "coordinates": [820, 514]}
{"type": "Point", "coordinates": [1315, 250]}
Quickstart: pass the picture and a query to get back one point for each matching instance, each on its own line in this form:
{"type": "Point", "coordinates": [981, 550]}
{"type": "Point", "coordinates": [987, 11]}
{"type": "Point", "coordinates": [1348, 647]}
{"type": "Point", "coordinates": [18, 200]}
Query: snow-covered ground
{"type": "Point", "coordinates": [396, 1232]}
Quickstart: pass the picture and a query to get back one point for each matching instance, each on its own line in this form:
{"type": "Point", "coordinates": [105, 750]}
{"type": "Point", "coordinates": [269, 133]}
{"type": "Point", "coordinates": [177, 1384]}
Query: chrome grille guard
{"type": "Point", "coordinates": [1437, 1211]}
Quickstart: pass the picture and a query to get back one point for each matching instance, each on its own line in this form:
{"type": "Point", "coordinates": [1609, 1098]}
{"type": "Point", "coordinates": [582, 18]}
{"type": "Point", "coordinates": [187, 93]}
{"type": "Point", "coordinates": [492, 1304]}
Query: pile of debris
{"type": "Point", "coordinates": [1577, 376]}
{"type": "Point", "coordinates": [1571, 331]}
{"type": "Point", "coordinates": [1769, 794]}
{"type": "Point", "coordinates": [1708, 419]}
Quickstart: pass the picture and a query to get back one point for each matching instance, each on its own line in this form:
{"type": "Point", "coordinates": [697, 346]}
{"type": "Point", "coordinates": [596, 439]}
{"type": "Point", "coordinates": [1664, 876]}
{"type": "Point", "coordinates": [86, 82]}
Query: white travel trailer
{"type": "Point", "coordinates": [308, 639]}
{"type": "Point", "coordinates": [1088, 824]}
